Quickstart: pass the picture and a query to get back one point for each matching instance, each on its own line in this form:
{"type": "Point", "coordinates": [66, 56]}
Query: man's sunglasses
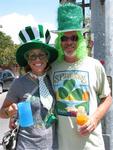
{"type": "Point", "coordinates": [72, 38]}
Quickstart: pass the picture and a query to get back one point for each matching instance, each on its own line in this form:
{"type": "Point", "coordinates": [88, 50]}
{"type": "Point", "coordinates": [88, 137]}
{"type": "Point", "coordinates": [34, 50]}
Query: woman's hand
{"type": "Point", "coordinates": [11, 110]}
{"type": "Point", "coordinates": [12, 123]}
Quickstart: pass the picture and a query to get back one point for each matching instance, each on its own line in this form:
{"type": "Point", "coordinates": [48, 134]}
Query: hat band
{"type": "Point", "coordinates": [69, 26]}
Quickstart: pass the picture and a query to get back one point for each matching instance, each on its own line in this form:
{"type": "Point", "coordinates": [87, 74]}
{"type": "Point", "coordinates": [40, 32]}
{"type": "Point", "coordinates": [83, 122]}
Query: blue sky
{"type": "Point", "coordinates": [16, 14]}
{"type": "Point", "coordinates": [42, 10]}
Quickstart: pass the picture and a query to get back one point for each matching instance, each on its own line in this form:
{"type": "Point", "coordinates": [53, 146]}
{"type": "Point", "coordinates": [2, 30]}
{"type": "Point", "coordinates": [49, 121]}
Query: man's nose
{"type": "Point", "coordinates": [69, 41]}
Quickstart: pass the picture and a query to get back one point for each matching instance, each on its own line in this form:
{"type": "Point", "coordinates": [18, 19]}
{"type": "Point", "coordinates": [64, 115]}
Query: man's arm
{"type": "Point", "coordinates": [97, 116]}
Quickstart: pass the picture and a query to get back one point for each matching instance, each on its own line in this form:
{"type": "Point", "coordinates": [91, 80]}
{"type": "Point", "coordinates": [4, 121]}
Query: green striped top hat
{"type": "Point", "coordinates": [69, 18]}
{"type": "Point", "coordinates": [32, 37]}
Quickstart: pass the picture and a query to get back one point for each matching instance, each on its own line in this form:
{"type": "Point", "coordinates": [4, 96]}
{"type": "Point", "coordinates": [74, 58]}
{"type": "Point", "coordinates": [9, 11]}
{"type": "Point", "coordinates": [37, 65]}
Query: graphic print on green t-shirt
{"type": "Point", "coordinates": [72, 90]}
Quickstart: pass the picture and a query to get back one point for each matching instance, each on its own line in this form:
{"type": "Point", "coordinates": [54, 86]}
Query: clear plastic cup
{"type": "Point", "coordinates": [25, 114]}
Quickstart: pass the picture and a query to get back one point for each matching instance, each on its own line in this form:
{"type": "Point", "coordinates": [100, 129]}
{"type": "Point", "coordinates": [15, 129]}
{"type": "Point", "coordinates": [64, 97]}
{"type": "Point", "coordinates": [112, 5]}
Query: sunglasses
{"type": "Point", "coordinates": [72, 38]}
{"type": "Point", "coordinates": [40, 56]}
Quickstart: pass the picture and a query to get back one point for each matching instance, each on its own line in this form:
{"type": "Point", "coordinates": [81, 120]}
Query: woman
{"type": "Point", "coordinates": [38, 56]}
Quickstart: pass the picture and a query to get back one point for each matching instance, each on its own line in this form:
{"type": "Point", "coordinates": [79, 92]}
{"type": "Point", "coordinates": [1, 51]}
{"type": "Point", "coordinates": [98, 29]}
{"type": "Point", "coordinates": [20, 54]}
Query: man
{"type": "Point", "coordinates": [78, 80]}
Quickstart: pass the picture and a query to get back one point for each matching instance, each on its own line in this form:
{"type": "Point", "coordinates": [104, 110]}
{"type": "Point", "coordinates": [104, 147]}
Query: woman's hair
{"type": "Point", "coordinates": [81, 50]}
{"type": "Point", "coordinates": [27, 68]}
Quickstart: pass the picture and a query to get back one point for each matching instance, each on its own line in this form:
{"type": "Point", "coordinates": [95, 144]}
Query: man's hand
{"type": "Point", "coordinates": [88, 127]}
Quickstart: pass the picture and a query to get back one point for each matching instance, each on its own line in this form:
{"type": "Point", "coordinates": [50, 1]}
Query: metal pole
{"type": "Point", "coordinates": [67, 1]}
{"type": "Point", "coordinates": [102, 27]}
{"type": "Point", "coordinates": [109, 62]}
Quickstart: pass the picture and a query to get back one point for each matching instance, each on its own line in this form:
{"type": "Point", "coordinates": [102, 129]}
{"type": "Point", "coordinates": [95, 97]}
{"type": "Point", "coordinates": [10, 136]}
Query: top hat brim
{"type": "Point", "coordinates": [52, 52]}
{"type": "Point", "coordinates": [68, 30]}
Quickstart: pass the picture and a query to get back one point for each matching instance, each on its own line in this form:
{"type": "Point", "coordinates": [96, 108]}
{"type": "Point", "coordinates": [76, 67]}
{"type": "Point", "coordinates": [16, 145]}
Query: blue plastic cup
{"type": "Point", "coordinates": [25, 114]}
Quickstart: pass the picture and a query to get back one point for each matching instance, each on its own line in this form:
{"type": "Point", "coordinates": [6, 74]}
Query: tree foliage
{"type": "Point", "coordinates": [7, 50]}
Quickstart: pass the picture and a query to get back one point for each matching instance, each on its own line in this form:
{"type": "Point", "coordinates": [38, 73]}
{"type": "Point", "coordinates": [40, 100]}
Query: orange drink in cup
{"type": "Point", "coordinates": [82, 117]}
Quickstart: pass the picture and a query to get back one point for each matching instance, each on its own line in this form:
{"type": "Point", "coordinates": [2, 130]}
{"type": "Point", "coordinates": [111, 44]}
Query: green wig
{"type": "Point", "coordinates": [81, 50]}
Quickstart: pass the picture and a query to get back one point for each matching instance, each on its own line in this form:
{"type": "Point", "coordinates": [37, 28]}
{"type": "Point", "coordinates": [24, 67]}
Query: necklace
{"type": "Point", "coordinates": [34, 76]}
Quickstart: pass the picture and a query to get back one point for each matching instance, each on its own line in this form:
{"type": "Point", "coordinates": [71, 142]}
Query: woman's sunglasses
{"type": "Point", "coordinates": [40, 56]}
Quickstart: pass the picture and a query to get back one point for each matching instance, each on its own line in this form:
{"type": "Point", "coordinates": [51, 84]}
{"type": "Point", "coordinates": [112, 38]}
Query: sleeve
{"type": "Point", "coordinates": [13, 92]}
{"type": "Point", "coordinates": [102, 82]}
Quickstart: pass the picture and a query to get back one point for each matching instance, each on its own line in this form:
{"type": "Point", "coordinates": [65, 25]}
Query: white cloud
{"type": "Point", "coordinates": [13, 23]}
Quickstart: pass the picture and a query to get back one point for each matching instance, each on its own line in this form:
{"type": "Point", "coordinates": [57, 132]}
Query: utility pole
{"type": "Point", "coordinates": [102, 27]}
{"type": "Point", "coordinates": [67, 1]}
{"type": "Point", "coordinates": [84, 5]}
{"type": "Point", "coordinates": [109, 62]}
